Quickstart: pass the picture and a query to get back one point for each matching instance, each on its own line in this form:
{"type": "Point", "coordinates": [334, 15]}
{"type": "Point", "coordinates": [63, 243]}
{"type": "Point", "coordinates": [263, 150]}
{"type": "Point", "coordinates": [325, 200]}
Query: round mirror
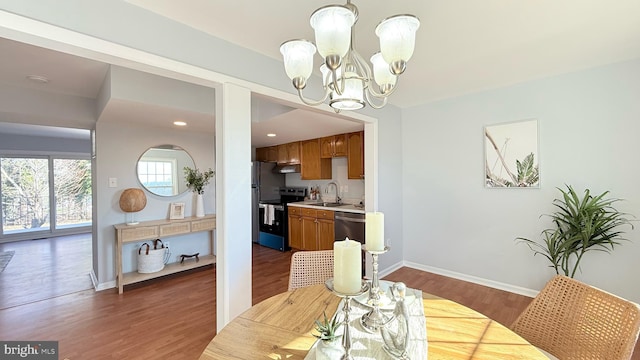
{"type": "Point", "coordinates": [160, 170]}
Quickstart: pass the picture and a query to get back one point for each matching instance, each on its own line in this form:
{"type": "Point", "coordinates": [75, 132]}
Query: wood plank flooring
{"type": "Point", "coordinates": [45, 268]}
{"type": "Point", "coordinates": [174, 317]}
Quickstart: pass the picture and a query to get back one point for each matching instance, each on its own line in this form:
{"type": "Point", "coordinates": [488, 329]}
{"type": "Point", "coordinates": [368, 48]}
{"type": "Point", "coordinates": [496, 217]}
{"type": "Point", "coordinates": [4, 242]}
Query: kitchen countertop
{"type": "Point", "coordinates": [312, 204]}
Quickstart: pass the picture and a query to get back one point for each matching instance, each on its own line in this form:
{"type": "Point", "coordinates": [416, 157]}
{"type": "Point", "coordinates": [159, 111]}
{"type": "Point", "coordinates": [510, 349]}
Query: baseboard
{"type": "Point", "coordinates": [473, 279]}
{"type": "Point", "coordinates": [390, 269]}
{"type": "Point", "coordinates": [101, 286]}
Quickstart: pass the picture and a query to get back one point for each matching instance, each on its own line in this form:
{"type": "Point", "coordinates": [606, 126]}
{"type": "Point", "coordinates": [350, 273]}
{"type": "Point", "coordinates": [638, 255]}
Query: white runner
{"type": "Point", "coordinates": [368, 346]}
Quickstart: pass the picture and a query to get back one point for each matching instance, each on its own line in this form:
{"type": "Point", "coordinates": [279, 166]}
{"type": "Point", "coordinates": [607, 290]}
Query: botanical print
{"type": "Point", "coordinates": [511, 154]}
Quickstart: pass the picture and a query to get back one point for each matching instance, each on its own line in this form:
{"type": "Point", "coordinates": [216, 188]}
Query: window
{"type": "Point", "coordinates": [44, 194]}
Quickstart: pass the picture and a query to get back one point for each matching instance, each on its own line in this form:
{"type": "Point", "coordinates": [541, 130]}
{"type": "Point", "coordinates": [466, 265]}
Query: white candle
{"type": "Point", "coordinates": [347, 266]}
{"type": "Point", "coordinates": [374, 231]}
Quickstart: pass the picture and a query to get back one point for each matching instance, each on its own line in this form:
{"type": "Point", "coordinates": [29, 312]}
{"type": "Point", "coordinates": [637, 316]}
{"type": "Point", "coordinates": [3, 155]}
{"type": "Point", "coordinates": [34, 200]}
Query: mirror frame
{"type": "Point", "coordinates": [157, 154]}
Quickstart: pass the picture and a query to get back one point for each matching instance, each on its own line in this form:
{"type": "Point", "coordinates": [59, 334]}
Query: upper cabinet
{"type": "Point", "coordinates": [267, 154]}
{"type": "Point", "coordinates": [355, 155]}
{"type": "Point", "coordinates": [289, 153]}
{"type": "Point", "coordinates": [312, 165]}
{"type": "Point", "coordinates": [314, 156]}
{"type": "Point", "coordinates": [333, 146]}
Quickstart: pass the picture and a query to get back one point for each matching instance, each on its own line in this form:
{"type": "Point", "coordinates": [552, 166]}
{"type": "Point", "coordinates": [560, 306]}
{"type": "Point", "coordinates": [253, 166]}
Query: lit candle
{"type": "Point", "coordinates": [374, 231]}
{"type": "Point", "coordinates": [347, 266]}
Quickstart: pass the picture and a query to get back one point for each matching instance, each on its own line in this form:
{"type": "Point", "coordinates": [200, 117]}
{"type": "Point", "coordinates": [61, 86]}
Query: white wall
{"type": "Point", "coordinates": [588, 128]}
{"type": "Point", "coordinates": [352, 191]}
{"type": "Point", "coordinates": [118, 147]}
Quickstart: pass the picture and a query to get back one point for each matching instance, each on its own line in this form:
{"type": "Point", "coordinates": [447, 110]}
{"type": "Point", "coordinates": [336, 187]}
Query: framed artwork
{"type": "Point", "coordinates": [177, 211]}
{"type": "Point", "coordinates": [511, 155]}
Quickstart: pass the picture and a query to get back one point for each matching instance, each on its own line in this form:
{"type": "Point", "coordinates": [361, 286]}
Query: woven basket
{"type": "Point", "coordinates": [151, 260]}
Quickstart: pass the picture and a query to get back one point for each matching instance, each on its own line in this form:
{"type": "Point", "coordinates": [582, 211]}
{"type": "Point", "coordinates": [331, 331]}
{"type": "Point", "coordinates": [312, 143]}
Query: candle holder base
{"type": "Point", "coordinates": [346, 337]}
{"type": "Point", "coordinates": [374, 320]}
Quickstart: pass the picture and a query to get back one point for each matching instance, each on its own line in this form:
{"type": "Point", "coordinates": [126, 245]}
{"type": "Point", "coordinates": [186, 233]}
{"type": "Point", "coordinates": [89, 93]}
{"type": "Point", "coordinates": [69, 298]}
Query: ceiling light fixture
{"type": "Point", "coordinates": [348, 80]}
{"type": "Point", "coordinates": [271, 135]}
{"type": "Point", "coordinates": [179, 123]}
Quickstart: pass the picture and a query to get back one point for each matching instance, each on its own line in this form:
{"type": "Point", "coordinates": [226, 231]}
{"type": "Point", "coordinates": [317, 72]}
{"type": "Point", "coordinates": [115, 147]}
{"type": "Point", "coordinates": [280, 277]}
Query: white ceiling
{"type": "Point", "coordinates": [463, 46]}
{"type": "Point", "coordinates": [76, 76]}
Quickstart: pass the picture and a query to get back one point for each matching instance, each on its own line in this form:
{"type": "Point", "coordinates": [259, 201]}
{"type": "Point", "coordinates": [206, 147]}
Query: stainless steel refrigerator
{"type": "Point", "coordinates": [265, 186]}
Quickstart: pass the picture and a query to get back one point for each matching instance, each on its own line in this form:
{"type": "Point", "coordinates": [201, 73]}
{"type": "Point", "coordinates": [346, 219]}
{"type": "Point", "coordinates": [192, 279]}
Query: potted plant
{"type": "Point", "coordinates": [196, 181]}
{"type": "Point", "coordinates": [581, 224]}
{"type": "Point", "coordinates": [328, 347]}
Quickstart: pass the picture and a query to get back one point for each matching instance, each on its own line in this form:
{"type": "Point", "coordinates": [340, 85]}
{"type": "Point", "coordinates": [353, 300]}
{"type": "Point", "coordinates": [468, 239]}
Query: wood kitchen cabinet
{"type": "Point", "coordinates": [289, 153]}
{"type": "Point", "coordinates": [295, 228]}
{"type": "Point", "coordinates": [311, 229]}
{"type": "Point", "coordinates": [312, 165]}
{"type": "Point", "coordinates": [267, 154]}
{"type": "Point", "coordinates": [355, 155]}
{"type": "Point", "coordinates": [333, 146]}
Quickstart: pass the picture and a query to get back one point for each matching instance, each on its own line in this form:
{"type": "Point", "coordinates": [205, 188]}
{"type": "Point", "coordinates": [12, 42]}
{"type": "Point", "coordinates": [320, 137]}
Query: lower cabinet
{"type": "Point", "coordinates": [311, 229]}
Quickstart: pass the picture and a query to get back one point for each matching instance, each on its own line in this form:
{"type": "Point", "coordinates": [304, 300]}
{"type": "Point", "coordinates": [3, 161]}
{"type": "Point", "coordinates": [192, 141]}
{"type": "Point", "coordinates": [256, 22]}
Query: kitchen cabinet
{"type": "Point", "coordinates": [355, 155]}
{"type": "Point", "coordinates": [333, 146]}
{"type": "Point", "coordinates": [311, 229]}
{"type": "Point", "coordinates": [267, 154]}
{"type": "Point", "coordinates": [312, 165]}
{"type": "Point", "coordinates": [289, 153]}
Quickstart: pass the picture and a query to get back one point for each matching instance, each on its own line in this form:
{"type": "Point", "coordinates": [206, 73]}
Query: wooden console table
{"type": "Point", "coordinates": [150, 230]}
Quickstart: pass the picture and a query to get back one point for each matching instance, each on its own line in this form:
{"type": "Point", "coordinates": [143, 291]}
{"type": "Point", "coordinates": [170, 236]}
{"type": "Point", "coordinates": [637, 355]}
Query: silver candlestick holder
{"type": "Point", "coordinates": [373, 320]}
{"type": "Point", "coordinates": [346, 337]}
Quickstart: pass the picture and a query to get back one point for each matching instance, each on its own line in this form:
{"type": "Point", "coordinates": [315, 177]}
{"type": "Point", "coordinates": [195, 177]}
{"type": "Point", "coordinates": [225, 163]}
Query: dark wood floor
{"type": "Point", "coordinates": [174, 317]}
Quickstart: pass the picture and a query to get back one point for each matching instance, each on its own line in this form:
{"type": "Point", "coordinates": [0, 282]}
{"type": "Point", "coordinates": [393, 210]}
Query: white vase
{"type": "Point", "coordinates": [329, 350]}
{"type": "Point", "coordinates": [199, 206]}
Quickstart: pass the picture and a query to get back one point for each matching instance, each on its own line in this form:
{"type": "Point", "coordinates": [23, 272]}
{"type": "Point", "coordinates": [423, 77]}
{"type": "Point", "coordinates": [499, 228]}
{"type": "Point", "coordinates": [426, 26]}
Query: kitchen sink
{"type": "Point", "coordinates": [329, 204]}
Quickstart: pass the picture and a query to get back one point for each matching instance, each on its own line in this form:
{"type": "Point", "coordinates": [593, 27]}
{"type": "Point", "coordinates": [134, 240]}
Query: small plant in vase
{"type": "Point", "coordinates": [328, 347]}
{"type": "Point", "coordinates": [196, 181]}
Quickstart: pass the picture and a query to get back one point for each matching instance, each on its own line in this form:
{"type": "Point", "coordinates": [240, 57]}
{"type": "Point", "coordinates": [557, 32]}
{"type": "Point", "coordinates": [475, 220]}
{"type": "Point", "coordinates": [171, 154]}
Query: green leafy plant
{"type": "Point", "coordinates": [196, 180]}
{"type": "Point", "coordinates": [581, 224]}
{"type": "Point", "coordinates": [327, 328]}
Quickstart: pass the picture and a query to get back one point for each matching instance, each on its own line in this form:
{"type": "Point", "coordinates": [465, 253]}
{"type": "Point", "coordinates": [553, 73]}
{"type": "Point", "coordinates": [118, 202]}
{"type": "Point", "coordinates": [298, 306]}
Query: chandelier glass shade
{"type": "Point", "coordinates": [348, 80]}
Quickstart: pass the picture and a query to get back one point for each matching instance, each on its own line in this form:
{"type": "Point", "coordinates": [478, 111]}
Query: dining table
{"type": "Point", "coordinates": [282, 327]}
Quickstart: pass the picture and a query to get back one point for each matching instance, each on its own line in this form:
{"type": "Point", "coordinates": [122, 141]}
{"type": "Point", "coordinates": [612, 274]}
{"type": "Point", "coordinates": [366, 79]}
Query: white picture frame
{"type": "Point", "coordinates": [176, 211]}
{"type": "Point", "coordinates": [512, 155]}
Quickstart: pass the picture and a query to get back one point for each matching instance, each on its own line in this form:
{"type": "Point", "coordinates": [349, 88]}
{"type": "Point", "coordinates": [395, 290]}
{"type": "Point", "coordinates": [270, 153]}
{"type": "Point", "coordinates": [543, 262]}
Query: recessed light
{"type": "Point", "coordinates": [179, 123]}
{"type": "Point", "coordinates": [38, 78]}
{"type": "Point", "coordinates": [271, 135]}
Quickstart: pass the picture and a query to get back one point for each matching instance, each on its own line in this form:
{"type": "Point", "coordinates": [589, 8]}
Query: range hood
{"type": "Point", "coordinates": [286, 169]}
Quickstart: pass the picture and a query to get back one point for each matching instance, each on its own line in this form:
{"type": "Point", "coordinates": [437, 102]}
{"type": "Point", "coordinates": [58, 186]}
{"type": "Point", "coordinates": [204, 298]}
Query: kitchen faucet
{"type": "Point", "coordinates": [326, 190]}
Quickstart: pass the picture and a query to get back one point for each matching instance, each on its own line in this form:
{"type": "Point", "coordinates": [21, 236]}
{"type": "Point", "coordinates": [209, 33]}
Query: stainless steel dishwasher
{"type": "Point", "coordinates": [351, 225]}
{"type": "Point", "coordinates": [348, 224]}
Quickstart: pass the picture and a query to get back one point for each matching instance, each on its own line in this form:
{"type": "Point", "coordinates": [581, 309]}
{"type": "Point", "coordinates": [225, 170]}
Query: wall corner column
{"type": "Point", "coordinates": [233, 202]}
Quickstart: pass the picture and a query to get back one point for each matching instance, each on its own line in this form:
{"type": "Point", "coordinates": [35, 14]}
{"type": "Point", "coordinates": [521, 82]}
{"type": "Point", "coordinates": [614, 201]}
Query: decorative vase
{"type": "Point", "coordinates": [199, 206]}
{"type": "Point", "coordinates": [329, 349]}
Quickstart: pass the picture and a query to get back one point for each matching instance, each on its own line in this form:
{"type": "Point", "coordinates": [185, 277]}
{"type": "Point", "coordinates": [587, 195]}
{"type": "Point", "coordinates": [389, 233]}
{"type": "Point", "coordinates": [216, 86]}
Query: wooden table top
{"type": "Point", "coordinates": [281, 327]}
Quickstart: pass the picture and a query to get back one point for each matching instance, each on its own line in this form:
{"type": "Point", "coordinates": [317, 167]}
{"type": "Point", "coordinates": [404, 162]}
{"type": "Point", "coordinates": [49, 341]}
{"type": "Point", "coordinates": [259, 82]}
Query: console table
{"type": "Point", "coordinates": [150, 230]}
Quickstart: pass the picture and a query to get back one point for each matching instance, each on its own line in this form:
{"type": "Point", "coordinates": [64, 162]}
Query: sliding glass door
{"type": "Point", "coordinates": [44, 195]}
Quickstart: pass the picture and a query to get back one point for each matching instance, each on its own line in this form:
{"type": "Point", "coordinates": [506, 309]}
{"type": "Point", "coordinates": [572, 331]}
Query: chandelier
{"type": "Point", "coordinates": [347, 79]}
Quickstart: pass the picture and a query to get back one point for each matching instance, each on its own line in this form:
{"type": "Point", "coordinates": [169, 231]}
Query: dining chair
{"type": "Point", "coordinates": [573, 320]}
{"type": "Point", "coordinates": [310, 268]}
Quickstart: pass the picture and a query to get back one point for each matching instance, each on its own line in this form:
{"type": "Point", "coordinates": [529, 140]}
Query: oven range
{"type": "Point", "coordinates": [273, 215]}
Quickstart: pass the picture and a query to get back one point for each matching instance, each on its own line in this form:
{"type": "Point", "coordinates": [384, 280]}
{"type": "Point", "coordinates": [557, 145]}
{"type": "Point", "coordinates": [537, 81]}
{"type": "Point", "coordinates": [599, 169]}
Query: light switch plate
{"type": "Point", "coordinates": [113, 182]}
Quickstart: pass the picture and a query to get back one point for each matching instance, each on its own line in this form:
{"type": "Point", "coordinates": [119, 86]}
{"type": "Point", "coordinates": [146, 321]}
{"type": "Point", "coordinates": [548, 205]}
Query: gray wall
{"type": "Point", "coordinates": [588, 126]}
{"type": "Point", "coordinates": [118, 147]}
